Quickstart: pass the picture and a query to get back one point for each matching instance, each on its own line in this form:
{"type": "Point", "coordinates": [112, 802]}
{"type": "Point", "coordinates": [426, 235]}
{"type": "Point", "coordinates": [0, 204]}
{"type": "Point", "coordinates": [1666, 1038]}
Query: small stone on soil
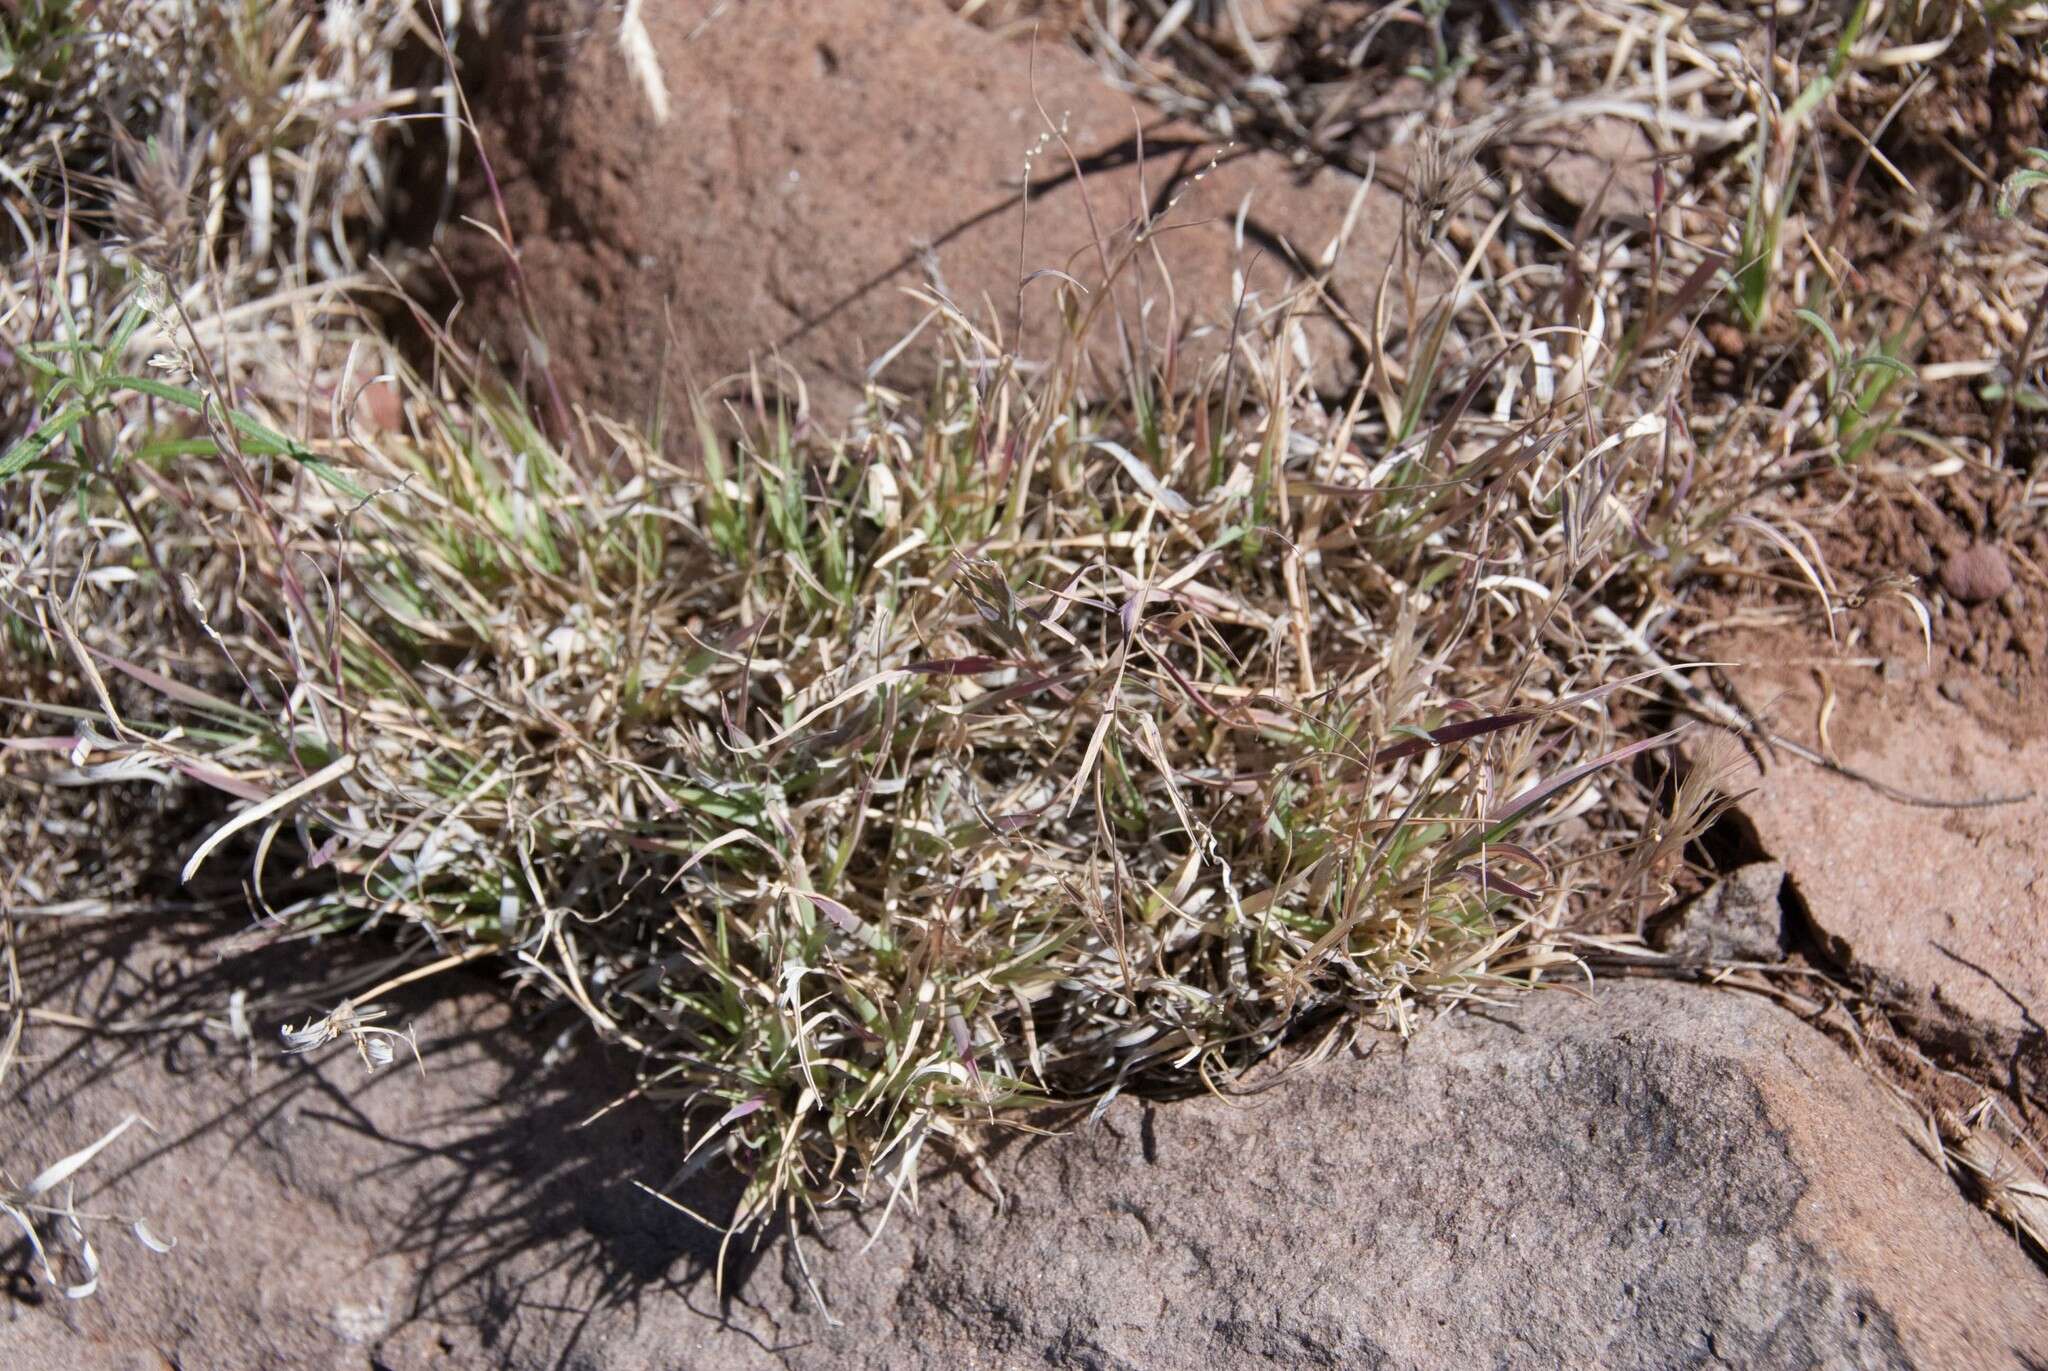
{"type": "Point", "coordinates": [382, 406]}
{"type": "Point", "coordinates": [1727, 340]}
{"type": "Point", "coordinates": [1977, 573]}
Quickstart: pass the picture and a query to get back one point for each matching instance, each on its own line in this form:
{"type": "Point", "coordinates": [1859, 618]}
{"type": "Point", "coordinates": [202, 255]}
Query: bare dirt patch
{"type": "Point", "coordinates": [1976, 544]}
{"type": "Point", "coordinates": [849, 167]}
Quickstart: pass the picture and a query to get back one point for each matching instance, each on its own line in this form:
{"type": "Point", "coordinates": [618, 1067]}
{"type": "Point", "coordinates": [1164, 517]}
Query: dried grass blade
{"type": "Point", "coordinates": [333, 771]}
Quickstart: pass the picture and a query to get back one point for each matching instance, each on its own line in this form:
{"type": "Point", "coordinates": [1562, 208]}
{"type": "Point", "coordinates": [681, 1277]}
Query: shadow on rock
{"type": "Point", "coordinates": [481, 1204]}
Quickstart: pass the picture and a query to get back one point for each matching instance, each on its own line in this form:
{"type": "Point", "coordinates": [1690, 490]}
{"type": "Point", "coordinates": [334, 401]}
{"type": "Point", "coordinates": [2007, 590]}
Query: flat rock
{"type": "Point", "coordinates": [1652, 1175]}
{"type": "Point", "coordinates": [322, 1214]}
{"type": "Point", "coordinates": [817, 162]}
{"type": "Point", "coordinates": [1655, 1176]}
{"type": "Point", "coordinates": [1603, 163]}
{"type": "Point", "coordinates": [1943, 913]}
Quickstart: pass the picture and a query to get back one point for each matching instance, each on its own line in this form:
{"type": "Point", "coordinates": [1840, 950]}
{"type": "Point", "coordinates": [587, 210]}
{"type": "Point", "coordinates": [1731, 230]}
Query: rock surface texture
{"type": "Point", "coordinates": [1649, 1176]}
{"type": "Point", "coordinates": [1942, 913]}
{"type": "Point", "coordinates": [1738, 919]}
{"type": "Point", "coordinates": [819, 161]}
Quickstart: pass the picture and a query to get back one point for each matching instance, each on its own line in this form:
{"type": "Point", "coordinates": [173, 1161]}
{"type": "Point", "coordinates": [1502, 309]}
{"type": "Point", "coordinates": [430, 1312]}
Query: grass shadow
{"type": "Point", "coordinates": [503, 1178]}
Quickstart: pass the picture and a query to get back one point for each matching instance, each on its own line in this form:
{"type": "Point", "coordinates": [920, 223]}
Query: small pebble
{"type": "Point", "coordinates": [1977, 573]}
{"type": "Point", "coordinates": [383, 407]}
{"type": "Point", "coordinates": [1727, 339]}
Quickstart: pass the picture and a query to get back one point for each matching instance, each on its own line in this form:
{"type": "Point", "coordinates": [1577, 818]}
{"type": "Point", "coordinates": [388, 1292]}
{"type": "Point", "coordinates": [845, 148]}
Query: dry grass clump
{"type": "Point", "coordinates": [1019, 742]}
{"type": "Point", "coordinates": [215, 142]}
{"type": "Point", "coordinates": [182, 183]}
{"type": "Point", "coordinates": [1833, 172]}
{"type": "Point", "coordinates": [1014, 746]}
{"type": "Point", "coordinates": [216, 172]}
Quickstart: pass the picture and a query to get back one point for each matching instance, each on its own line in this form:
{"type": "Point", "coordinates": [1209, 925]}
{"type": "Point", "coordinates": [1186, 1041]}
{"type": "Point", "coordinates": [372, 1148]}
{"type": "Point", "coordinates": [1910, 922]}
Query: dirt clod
{"type": "Point", "coordinates": [1601, 164]}
{"type": "Point", "coordinates": [1937, 911]}
{"type": "Point", "coordinates": [1978, 573]}
{"type": "Point", "coordinates": [1727, 340]}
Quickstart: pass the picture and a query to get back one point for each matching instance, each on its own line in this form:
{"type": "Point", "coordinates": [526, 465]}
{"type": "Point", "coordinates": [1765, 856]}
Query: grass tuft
{"type": "Point", "coordinates": [1012, 744]}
